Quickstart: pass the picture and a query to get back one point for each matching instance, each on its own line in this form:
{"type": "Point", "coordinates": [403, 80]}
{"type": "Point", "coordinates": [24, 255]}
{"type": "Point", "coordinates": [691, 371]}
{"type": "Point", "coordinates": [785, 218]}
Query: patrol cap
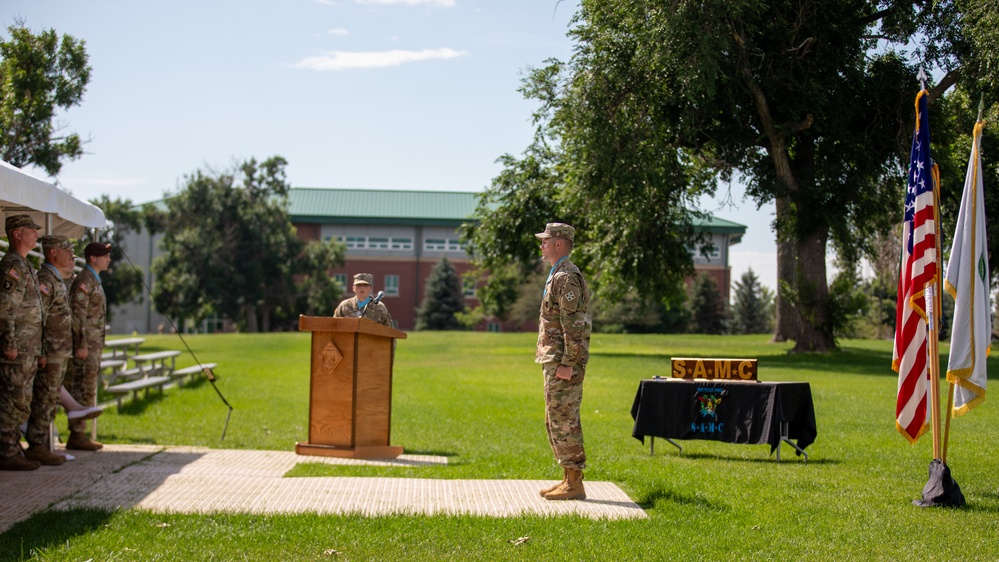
{"type": "Point", "coordinates": [56, 241]}
{"type": "Point", "coordinates": [17, 221]}
{"type": "Point", "coordinates": [557, 230]}
{"type": "Point", "coordinates": [364, 279]}
{"type": "Point", "coordinates": [97, 249]}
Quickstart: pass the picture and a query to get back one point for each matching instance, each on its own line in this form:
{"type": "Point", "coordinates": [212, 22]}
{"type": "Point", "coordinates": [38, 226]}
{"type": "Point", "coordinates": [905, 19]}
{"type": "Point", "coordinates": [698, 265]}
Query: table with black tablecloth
{"type": "Point", "coordinates": [754, 413]}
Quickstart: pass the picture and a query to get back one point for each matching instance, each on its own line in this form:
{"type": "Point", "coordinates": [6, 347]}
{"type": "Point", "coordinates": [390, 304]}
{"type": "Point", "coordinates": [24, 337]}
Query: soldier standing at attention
{"type": "Point", "coordinates": [563, 349]}
{"type": "Point", "coordinates": [20, 338]}
{"type": "Point", "coordinates": [57, 347]}
{"type": "Point", "coordinates": [88, 305]}
{"type": "Point", "coordinates": [351, 308]}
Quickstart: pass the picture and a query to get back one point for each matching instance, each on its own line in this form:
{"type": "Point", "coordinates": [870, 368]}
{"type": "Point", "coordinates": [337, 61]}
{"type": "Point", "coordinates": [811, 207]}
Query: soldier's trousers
{"type": "Point", "coordinates": [44, 399]}
{"type": "Point", "coordinates": [562, 401]}
{"type": "Point", "coordinates": [15, 402]}
{"type": "Point", "coordinates": [84, 385]}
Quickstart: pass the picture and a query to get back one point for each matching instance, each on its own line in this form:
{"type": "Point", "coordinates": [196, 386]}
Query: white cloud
{"type": "Point", "coordinates": [338, 31]}
{"type": "Point", "coordinates": [441, 3]}
{"type": "Point", "coordinates": [325, 2]}
{"type": "Point", "coordinates": [345, 60]}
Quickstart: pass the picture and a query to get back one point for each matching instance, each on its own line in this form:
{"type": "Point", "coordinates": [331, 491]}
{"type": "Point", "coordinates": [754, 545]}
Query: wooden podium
{"type": "Point", "coordinates": [350, 393]}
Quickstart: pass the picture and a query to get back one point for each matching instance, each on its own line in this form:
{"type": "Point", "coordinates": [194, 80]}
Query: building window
{"type": "Point", "coordinates": [468, 287]}
{"type": "Point", "coordinates": [378, 243]}
{"type": "Point", "coordinates": [341, 279]}
{"type": "Point", "coordinates": [392, 285]}
{"type": "Point", "coordinates": [493, 327]}
{"type": "Point", "coordinates": [402, 243]}
{"type": "Point", "coordinates": [443, 245]}
{"type": "Point", "coordinates": [435, 244]}
{"type": "Point", "coordinates": [357, 242]}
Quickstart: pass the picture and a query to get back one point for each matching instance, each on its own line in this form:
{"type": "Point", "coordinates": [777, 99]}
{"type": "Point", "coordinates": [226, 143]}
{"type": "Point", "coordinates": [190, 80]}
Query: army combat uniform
{"type": "Point", "coordinates": [564, 339]}
{"type": "Point", "coordinates": [88, 305]}
{"type": "Point", "coordinates": [350, 308]}
{"type": "Point", "coordinates": [20, 329]}
{"type": "Point", "coordinates": [57, 348]}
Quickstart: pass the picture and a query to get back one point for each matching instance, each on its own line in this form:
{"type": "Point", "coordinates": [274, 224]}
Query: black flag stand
{"type": "Point", "coordinates": [941, 490]}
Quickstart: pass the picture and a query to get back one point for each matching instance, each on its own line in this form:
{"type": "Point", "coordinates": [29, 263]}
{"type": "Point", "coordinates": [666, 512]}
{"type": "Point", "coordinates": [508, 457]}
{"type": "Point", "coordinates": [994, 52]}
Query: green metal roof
{"type": "Point", "coordinates": [398, 207]}
{"type": "Point", "coordinates": [375, 206]}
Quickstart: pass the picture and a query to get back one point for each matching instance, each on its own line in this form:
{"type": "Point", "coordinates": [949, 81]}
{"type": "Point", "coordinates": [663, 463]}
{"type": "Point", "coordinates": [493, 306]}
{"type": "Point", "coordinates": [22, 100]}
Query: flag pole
{"type": "Point", "coordinates": [950, 415]}
{"type": "Point", "coordinates": [934, 364]}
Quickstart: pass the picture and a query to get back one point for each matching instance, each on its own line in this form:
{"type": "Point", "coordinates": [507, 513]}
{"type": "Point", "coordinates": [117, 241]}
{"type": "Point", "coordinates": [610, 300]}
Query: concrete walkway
{"type": "Point", "coordinates": [196, 480]}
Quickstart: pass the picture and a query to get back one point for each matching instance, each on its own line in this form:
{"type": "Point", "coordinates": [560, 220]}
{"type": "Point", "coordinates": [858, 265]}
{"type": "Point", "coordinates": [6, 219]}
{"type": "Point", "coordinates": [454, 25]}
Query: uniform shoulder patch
{"type": "Point", "coordinates": [44, 288]}
{"type": "Point", "coordinates": [14, 273]}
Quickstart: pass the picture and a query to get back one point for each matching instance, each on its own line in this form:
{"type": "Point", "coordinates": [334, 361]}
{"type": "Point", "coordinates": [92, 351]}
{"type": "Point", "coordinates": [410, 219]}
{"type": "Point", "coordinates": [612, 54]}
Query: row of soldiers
{"type": "Point", "coordinates": [51, 335]}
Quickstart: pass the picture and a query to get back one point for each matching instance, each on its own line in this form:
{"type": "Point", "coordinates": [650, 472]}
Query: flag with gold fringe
{"type": "Point", "coordinates": [918, 269]}
{"type": "Point", "coordinates": [967, 280]}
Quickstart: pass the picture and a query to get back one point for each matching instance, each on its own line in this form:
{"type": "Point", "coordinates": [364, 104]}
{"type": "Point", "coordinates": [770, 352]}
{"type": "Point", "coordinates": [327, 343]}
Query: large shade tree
{"type": "Point", "coordinates": [230, 248]}
{"type": "Point", "coordinates": [40, 75]}
{"type": "Point", "coordinates": [808, 103]}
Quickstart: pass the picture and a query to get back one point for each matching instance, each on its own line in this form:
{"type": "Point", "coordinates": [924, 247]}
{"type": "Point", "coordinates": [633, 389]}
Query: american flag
{"type": "Point", "coordinates": [918, 269]}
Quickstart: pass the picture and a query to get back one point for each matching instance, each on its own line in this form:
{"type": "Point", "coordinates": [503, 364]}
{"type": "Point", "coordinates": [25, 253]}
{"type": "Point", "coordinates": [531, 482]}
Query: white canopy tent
{"type": "Point", "coordinates": [57, 211]}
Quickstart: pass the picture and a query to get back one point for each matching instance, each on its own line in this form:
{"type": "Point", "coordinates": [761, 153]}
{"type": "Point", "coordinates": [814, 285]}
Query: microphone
{"type": "Point", "coordinates": [372, 301]}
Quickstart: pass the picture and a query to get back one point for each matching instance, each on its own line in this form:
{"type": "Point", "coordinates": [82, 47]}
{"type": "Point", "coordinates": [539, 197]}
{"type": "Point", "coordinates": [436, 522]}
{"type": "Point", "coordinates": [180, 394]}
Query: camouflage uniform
{"type": "Point", "coordinates": [88, 304]}
{"type": "Point", "coordinates": [350, 308]}
{"type": "Point", "coordinates": [57, 348]}
{"type": "Point", "coordinates": [564, 339]}
{"type": "Point", "coordinates": [20, 329]}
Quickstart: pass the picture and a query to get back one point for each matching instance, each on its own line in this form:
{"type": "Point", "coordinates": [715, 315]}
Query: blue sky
{"type": "Point", "coordinates": [372, 94]}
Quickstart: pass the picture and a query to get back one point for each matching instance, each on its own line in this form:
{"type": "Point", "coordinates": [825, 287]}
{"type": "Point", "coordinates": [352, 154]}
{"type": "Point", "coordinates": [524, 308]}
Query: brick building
{"type": "Point", "coordinates": [397, 236]}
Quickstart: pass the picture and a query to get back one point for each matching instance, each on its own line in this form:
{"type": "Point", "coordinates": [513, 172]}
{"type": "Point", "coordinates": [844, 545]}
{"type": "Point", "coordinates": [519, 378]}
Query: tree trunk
{"type": "Point", "coordinates": [265, 319]}
{"type": "Point", "coordinates": [784, 326]}
{"type": "Point", "coordinates": [813, 332]}
{"type": "Point", "coordinates": [251, 318]}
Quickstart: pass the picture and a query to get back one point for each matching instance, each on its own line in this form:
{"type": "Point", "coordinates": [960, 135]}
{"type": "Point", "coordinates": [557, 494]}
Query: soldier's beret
{"type": "Point", "coordinates": [97, 249]}
{"type": "Point", "coordinates": [557, 230]}
{"type": "Point", "coordinates": [17, 221]}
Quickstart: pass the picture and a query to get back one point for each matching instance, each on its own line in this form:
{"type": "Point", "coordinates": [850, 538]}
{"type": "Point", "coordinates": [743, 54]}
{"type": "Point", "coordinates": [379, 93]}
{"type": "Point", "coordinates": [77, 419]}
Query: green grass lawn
{"type": "Point", "coordinates": [476, 398]}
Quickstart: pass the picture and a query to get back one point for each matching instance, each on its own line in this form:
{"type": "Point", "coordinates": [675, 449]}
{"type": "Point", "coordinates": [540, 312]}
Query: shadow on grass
{"type": "Point", "coordinates": [135, 407]}
{"type": "Point", "coordinates": [44, 532]}
{"type": "Point", "coordinates": [430, 453]}
{"type": "Point", "coordinates": [785, 459]}
{"type": "Point", "coordinates": [649, 499]}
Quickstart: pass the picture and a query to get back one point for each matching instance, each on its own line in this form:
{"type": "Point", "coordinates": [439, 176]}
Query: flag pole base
{"type": "Point", "coordinates": [941, 489]}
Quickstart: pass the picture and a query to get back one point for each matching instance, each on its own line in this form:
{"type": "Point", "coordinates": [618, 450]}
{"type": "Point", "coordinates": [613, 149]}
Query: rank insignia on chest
{"type": "Point", "coordinates": [570, 296]}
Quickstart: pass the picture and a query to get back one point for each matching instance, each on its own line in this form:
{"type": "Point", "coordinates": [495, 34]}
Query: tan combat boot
{"type": "Point", "coordinates": [17, 462]}
{"type": "Point", "coordinates": [571, 489]}
{"type": "Point", "coordinates": [41, 454]}
{"type": "Point", "coordinates": [565, 475]}
{"type": "Point", "coordinates": [80, 442]}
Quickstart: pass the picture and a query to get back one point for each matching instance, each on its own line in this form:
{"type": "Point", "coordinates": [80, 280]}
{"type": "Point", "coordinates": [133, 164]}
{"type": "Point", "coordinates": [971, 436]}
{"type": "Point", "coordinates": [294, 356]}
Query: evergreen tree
{"type": "Point", "coordinates": [442, 300]}
{"type": "Point", "coordinates": [707, 307]}
{"type": "Point", "coordinates": [751, 307]}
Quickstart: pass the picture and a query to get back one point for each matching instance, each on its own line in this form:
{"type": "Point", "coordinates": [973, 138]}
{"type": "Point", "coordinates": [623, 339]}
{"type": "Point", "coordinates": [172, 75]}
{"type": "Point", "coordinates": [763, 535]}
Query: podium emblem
{"type": "Point", "coordinates": [331, 357]}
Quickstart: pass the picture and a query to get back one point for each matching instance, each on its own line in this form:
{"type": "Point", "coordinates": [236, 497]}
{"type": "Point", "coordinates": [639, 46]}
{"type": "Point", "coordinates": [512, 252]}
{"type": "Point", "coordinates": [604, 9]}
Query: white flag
{"type": "Point", "coordinates": [967, 281]}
